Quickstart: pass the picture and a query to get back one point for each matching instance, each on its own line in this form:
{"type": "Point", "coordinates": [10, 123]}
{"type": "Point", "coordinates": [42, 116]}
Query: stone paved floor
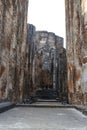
{"type": "Point", "coordinates": [25, 118]}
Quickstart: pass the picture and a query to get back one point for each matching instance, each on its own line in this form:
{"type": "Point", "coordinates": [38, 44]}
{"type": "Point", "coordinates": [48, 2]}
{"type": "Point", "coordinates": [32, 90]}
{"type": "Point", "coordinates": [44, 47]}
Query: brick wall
{"type": "Point", "coordinates": [13, 23]}
{"type": "Point", "coordinates": [76, 35]}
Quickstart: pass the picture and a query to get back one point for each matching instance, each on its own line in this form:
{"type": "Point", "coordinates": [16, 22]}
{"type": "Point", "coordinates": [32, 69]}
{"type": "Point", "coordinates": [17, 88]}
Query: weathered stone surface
{"type": "Point", "coordinates": [76, 34]}
{"type": "Point", "coordinates": [13, 23]}
{"type": "Point", "coordinates": [31, 118]}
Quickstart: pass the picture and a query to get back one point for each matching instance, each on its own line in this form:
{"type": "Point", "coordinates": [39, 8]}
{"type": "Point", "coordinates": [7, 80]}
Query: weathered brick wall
{"type": "Point", "coordinates": [76, 34]}
{"type": "Point", "coordinates": [30, 62]}
{"type": "Point", "coordinates": [45, 62]}
{"type": "Point", "coordinates": [62, 76]}
{"type": "Point", "coordinates": [51, 64]}
{"type": "Point", "coordinates": [13, 22]}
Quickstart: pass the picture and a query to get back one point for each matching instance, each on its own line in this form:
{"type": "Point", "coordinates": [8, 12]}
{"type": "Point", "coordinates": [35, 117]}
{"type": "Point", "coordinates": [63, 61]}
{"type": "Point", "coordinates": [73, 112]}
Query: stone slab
{"type": "Point", "coordinates": [25, 118]}
{"type": "Point", "coordinates": [52, 104]}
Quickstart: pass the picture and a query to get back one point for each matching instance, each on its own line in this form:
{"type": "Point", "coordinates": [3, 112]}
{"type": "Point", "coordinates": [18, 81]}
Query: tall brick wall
{"type": "Point", "coordinates": [30, 62]}
{"type": "Point", "coordinates": [13, 26]}
{"type": "Point", "coordinates": [76, 34]}
{"type": "Point", "coordinates": [45, 63]}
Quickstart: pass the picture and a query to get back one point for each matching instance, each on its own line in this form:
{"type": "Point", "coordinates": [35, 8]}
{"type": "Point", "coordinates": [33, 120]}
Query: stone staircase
{"type": "Point", "coordinates": [46, 94]}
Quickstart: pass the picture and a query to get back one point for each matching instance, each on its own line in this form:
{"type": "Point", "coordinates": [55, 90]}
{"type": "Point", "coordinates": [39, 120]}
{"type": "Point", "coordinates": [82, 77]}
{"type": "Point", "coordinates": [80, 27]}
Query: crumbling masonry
{"type": "Point", "coordinates": [46, 64]}
{"type": "Point", "coordinates": [13, 33]}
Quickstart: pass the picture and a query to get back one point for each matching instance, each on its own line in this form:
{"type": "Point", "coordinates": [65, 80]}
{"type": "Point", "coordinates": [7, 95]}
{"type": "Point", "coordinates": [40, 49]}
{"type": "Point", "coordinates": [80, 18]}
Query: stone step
{"type": "Point", "coordinates": [46, 104]}
{"type": "Point", "coordinates": [46, 94]}
{"type": "Point", "coordinates": [47, 100]}
{"type": "Point", "coordinates": [4, 106]}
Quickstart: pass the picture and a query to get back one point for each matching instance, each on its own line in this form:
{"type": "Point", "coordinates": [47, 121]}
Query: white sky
{"type": "Point", "coordinates": [48, 15]}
